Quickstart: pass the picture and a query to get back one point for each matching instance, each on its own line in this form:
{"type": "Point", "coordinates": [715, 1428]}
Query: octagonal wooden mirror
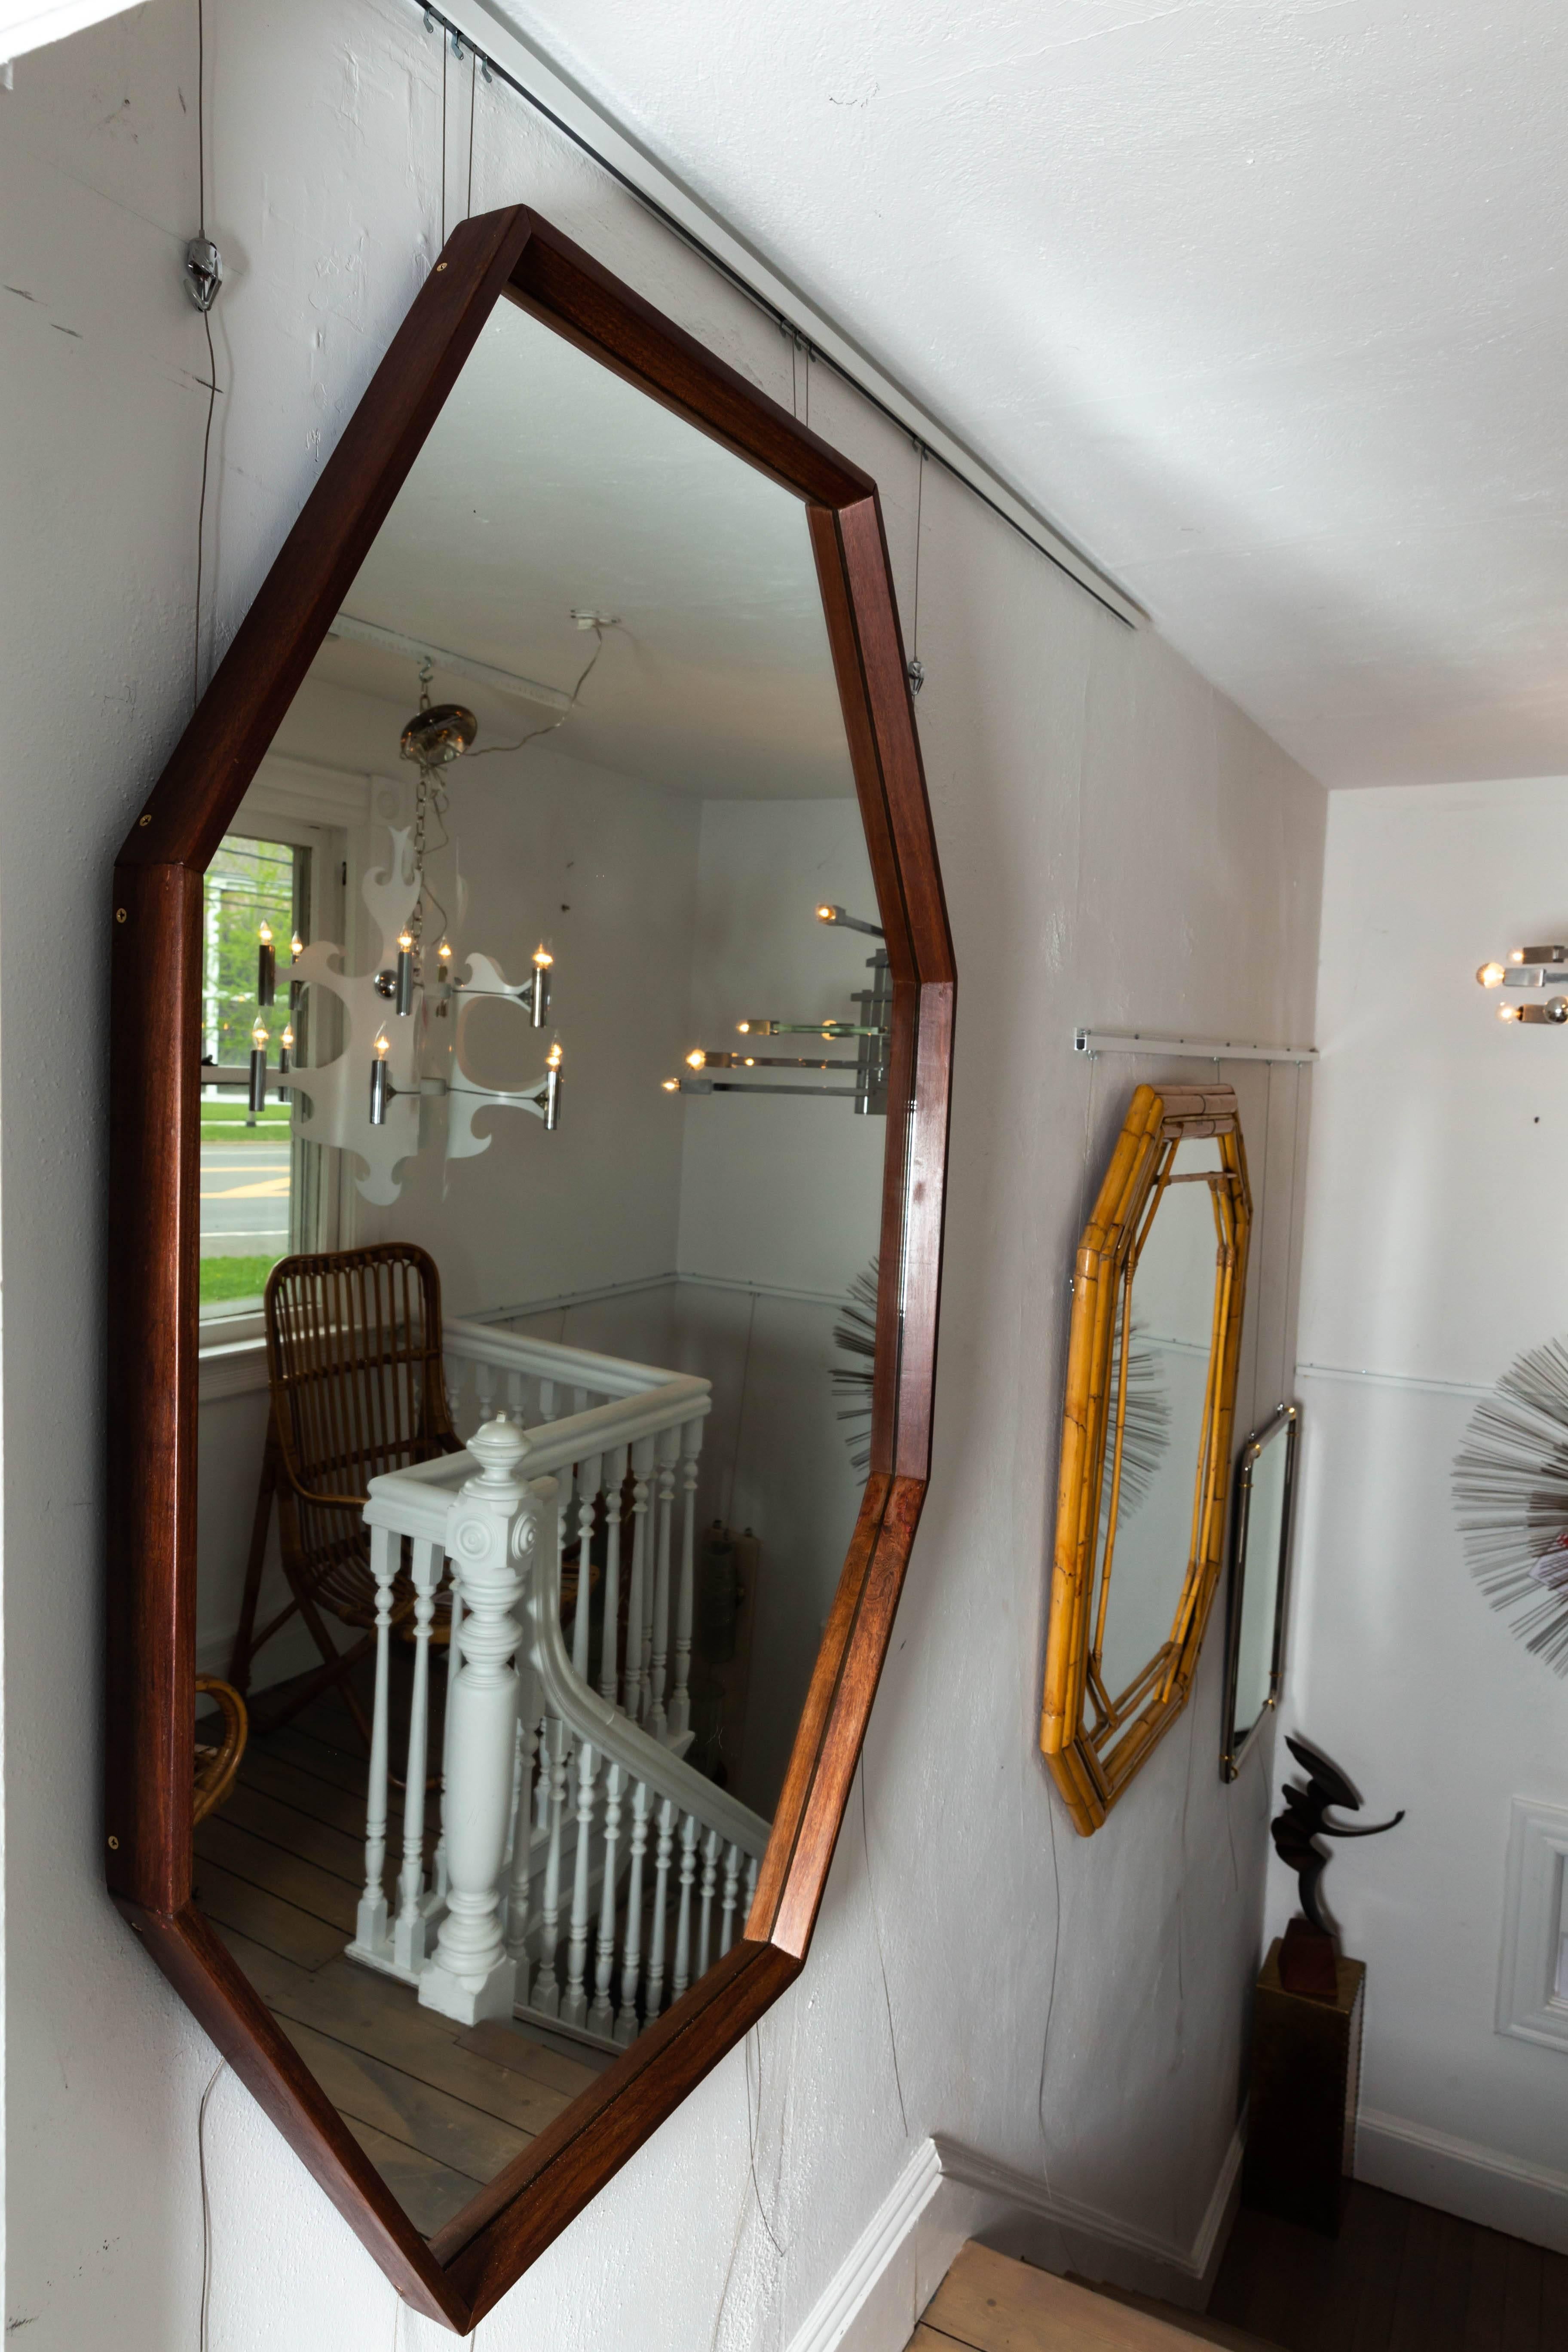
{"type": "Point", "coordinates": [1158, 1287]}
{"type": "Point", "coordinates": [532, 1001]}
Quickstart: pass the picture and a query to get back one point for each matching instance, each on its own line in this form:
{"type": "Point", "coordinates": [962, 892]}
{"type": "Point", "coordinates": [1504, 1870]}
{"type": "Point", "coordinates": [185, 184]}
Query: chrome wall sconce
{"type": "Point", "coordinates": [1533, 968]}
{"type": "Point", "coordinates": [870, 1035]}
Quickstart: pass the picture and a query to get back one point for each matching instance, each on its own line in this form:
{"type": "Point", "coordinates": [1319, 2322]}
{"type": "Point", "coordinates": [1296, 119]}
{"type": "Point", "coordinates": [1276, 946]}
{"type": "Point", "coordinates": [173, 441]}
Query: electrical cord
{"type": "Point", "coordinates": [212, 356]}
{"type": "Point", "coordinates": [533, 737]}
{"type": "Point", "coordinates": [206, 2201]}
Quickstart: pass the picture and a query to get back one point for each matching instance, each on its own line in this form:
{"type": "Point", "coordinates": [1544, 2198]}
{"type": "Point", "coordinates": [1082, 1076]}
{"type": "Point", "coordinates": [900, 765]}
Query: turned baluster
{"type": "Point", "coordinates": [436, 1898]}
{"type": "Point", "coordinates": [602, 2017]}
{"type": "Point", "coordinates": [574, 2007]}
{"type": "Point", "coordinates": [680, 1696]}
{"type": "Point", "coordinates": [587, 1495]}
{"type": "Point", "coordinates": [491, 1530]}
{"type": "Point", "coordinates": [668, 1444]}
{"type": "Point", "coordinates": [370, 1928]}
{"type": "Point", "coordinates": [690, 1828]}
{"type": "Point", "coordinates": [546, 1994]}
{"type": "Point", "coordinates": [615, 1480]}
{"type": "Point", "coordinates": [729, 1897]}
{"type": "Point", "coordinates": [631, 1956]}
{"type": "Point", "coordinates": [711, 1845]}
{"type": "Point", "coordinates": [655, 2002]}
{"type": "Point", "coordinates": [408, 1937]}
{"type": "Point", "coordinates": [542, 1784]}
{"type": "Point", "coordinates": [637, 1615]}
{"type": "Point", "coordinates": [530, 1779]}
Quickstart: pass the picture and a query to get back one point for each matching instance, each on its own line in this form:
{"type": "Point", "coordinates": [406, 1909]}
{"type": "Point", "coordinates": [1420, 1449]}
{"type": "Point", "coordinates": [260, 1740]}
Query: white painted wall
{"type": "Point", "coordinates": [1120, 843]}
{"type": "Point", "coordinates": [1434, 1257]}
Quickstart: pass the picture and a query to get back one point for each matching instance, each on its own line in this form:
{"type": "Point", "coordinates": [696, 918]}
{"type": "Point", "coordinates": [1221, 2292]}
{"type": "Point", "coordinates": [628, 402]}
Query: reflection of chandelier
{"type": "Point", "coordinates": [391, 1014]}
{"type": "Point", "coordinates": [1535, 967]}
{"type": "Point", "coordinates": [872, 1036]}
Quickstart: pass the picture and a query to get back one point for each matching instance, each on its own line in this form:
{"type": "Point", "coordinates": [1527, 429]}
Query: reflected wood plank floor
{"type": "Point", "coordinates": [280, 1867]}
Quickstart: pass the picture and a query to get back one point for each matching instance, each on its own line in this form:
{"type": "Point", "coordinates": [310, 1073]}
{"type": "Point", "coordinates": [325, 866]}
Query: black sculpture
{"type": "Point", "coordinates": [1304, 1821]}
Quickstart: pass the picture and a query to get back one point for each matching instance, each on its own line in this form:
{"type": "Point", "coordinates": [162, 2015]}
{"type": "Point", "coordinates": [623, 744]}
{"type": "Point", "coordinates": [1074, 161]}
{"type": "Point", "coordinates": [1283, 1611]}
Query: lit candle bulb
{"type": "Point", "coordinates": [404, 994]}
{"type": "Point", "coordinates": [258, 1066]}
{"type": "Point", "coordinates": [1491, 975]}
{"type": "Point", "coordinates": [828, 914]}
{"type": "Point", "coordinates": [266, 966]}
{"type": "Point", "coordinates": [552, 1089]}
{"type": "Point", "coordinates": [1508, 1012]}
{"type": "Point", "coordinates": [296, 948]}
{"type": "Point", "coordinates": [539, 996]}
{"type": "Point", "coordinates": [696, 1059]}
{"type": "Point", "coordinates": [378, 1082]}
{"type": "Point", "coordinates": [671, 1085]}
{"type": "Point", "coordinates": [285, 1049]}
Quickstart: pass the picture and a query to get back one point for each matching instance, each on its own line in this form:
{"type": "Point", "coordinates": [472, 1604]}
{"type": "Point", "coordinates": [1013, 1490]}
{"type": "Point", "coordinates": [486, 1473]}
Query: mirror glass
{"type": "Point", "coordinates": [1260, 1546]}
{"type": "Point", "coordinates": [1154, 1473]}
{"type": "Point", "coordinates": [554, 862]}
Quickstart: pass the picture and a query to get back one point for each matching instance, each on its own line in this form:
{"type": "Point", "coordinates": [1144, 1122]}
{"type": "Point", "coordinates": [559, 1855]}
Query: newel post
{"type": "Point", "coordinates": [490, 1534]}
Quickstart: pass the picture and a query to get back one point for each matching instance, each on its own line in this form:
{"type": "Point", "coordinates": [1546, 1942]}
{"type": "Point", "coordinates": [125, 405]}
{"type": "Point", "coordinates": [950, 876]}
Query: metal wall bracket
{"type": "Point", "coordinates": [1205, 1049]}
{"type": "Point", "coordinates": [203, 271]}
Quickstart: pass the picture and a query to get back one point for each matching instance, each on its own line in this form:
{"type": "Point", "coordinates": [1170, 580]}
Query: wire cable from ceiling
{"type": "Point", "coordinates": [212, 357]}
{"type": "Point", "coordinates": [494, 70]}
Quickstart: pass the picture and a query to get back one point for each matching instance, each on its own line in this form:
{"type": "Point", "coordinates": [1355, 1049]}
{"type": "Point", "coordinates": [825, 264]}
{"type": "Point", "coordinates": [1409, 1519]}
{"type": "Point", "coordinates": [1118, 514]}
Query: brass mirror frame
{"type": "Point", "coordinates": [1286, 1421]}
{"type": "Point", "coordinates": [1157, 1124]}
{"type": "Point", "coordinates": [155, 934]}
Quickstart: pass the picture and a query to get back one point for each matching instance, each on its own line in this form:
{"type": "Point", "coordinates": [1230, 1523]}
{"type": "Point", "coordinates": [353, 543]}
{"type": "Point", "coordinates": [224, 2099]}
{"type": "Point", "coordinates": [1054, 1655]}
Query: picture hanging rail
{"type": "Point", "coordinates": [1207, 1049]}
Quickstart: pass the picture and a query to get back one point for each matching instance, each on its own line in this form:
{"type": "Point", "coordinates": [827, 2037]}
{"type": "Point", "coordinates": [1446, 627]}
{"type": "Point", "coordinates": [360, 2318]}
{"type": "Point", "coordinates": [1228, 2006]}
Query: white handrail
{"type": "Point", "coordinates": [489, 1343]}
{"type": "Point", "coordinates": [563, 1693]}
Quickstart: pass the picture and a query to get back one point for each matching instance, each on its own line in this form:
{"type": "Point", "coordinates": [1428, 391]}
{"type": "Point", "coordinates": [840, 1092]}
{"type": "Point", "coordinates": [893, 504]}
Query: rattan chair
{"type": "Point", "coordinates": [353, 1360]}
{"type": "Point", "coordinates": [217, 1761]}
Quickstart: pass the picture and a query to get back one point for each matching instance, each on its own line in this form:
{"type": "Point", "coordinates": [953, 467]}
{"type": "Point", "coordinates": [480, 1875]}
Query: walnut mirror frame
{"type": "Point", "coordinates": [155, 915]}
{"type": "Point", "coordinates": [1094, 1738]}
{"type": "Point", "coordinates": [1260, 1580]}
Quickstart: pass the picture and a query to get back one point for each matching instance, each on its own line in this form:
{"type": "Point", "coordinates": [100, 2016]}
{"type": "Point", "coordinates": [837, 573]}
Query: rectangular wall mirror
{"type": "Point", "coordinates": [543, 1218]}
{"type": "Point", "coordinates": [1258, 1591]}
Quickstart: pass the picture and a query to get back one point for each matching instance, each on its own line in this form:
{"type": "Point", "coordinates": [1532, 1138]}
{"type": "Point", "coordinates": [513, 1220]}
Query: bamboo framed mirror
{"type": "Point", "coordinates": [475, 1399]}
{"type": "Point", "coordinates": [1257, 1593]}
{"type": "Point", "coordinates": [1158, 1287]}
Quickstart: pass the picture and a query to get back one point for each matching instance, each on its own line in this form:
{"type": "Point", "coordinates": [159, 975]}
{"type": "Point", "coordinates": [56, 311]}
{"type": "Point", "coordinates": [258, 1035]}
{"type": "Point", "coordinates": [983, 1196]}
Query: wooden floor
{"type": "Point", "coordinates": [1399, 2278]}
{"type": "Point", "coordinates": [280, 1868]}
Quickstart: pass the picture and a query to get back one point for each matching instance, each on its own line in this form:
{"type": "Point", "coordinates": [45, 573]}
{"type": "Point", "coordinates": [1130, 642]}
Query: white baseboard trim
{"type": "Point", "coordinates": [947, 2193]}
{"type": "Point", "coordinates": [1459, 2175]}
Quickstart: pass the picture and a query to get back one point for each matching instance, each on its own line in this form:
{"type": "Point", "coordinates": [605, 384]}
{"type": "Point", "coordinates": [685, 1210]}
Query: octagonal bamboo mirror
{"type": "Point", "coordinates": [532, 999]}
{"type": "Point", "coordinates": [1158, 1287]}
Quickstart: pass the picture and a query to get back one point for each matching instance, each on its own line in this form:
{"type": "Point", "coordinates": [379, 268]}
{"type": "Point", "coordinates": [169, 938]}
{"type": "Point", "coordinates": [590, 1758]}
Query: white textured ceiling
{"type": "Point", "coordinates": [1260, 300]}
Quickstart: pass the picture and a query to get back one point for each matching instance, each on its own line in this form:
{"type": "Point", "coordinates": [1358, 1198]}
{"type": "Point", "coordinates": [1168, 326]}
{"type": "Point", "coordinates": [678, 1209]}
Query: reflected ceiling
{"type": "Point", "coordinates": [549, 485]}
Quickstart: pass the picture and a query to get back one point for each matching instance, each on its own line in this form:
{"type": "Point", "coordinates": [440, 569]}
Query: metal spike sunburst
{"type": "Point", "coordinates": [1510, 1499]}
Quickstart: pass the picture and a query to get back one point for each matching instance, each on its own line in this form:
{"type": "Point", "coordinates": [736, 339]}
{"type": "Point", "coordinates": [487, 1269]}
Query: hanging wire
{"type": "Point", "coordinates": [443, 145]}
{"type": "Point", "coordinates": [473, 94]}
{"type": "Point", "coordinates": [490, 750]}
{"type": "Point", "coordinates": [212, 356]}
{"type": "Point", "coordinates": [206, 2201]}
{"type": "Point", "coordinates": [919, 518]}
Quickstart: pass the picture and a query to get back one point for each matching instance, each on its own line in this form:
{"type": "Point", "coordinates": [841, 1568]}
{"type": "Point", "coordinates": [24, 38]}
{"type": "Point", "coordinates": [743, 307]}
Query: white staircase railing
{"type": "Point", "coordinates": [575, 1839]}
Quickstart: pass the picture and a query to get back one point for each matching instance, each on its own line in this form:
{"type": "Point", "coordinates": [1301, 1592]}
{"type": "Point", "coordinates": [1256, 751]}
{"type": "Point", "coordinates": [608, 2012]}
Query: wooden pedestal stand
{"type": "Point", "coordinates": [1305, 2078]}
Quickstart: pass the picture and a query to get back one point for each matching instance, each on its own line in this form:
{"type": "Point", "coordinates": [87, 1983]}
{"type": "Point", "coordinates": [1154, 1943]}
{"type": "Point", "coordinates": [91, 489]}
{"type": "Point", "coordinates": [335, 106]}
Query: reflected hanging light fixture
{"type": "Point", "coordinates": [871, 1035]}
{"type": "Point", "coordinates": [1530, 968]}
{"type": "Point", "coordinates": [390, 1012]}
